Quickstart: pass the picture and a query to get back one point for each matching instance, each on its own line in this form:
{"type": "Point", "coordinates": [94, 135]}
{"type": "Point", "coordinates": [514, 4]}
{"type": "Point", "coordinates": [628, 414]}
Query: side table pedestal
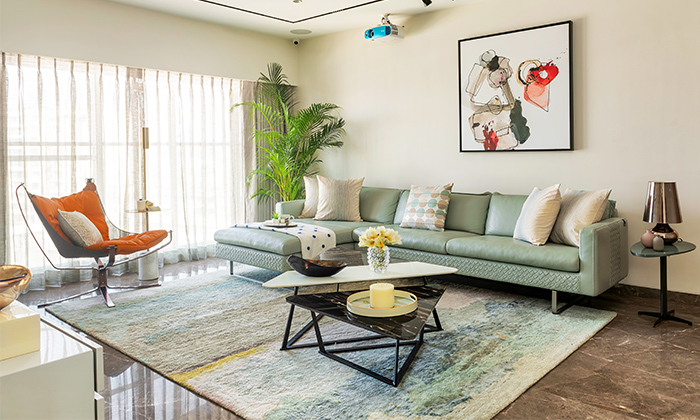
{"type": "Point", "coordinates": [638, 250]}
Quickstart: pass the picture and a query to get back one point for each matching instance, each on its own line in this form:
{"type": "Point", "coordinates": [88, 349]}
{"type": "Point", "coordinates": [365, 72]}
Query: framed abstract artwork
{"type": "Point", "coordinates": [516, 89]}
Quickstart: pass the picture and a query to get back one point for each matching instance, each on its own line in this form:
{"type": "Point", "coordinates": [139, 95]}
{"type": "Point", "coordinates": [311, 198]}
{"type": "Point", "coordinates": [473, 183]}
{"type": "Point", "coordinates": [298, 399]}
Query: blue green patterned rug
{"type": "Point", "coordinates": [220, 336]}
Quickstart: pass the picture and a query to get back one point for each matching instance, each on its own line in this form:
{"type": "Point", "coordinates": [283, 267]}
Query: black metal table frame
{"type": "Point", "coordinates": [290, 343]}
{"type": "Point", "coordinates": [664, 314]}
{"type": "Point", "coordinates": [399, 371]}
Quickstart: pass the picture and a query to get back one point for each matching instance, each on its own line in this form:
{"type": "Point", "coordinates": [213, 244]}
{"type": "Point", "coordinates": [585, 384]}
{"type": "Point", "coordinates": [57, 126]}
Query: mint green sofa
{"type": "Point", "coordinates": [478, 241]}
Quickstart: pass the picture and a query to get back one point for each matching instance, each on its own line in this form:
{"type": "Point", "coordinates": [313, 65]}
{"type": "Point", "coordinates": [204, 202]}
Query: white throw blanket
{"type": "Point", "coordinates": [314, 239]}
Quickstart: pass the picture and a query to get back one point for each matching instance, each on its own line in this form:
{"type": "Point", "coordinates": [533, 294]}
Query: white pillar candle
{"type": "Point", "coordinates": [381, 295]}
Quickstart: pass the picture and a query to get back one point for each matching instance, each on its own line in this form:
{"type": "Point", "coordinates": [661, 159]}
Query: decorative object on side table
{"type": "Point", "coordinates": [376, 240]}
{"type": "Point", "coordinates": [662, 207]}
{"type": "Point", "coordinates": [639, 250]}
{"type": "Point", "coordinates": [648, 239]}
{"type": "Point", "coordinates": [315, 268]}
{"type": "Point", "coordinates": [13, 280]}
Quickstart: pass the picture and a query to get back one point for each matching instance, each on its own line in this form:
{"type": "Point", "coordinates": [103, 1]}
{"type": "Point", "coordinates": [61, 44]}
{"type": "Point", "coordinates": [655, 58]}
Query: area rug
{"type": "Point", "coordinates": [220, 336]}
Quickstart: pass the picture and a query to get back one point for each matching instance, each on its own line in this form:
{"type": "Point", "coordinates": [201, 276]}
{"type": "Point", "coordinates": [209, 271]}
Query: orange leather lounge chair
{"type": "Point", "coordinates": [114, 240]}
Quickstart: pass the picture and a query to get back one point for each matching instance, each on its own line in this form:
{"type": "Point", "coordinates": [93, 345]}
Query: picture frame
{"type": "Point", "coordinates": [516, 90]}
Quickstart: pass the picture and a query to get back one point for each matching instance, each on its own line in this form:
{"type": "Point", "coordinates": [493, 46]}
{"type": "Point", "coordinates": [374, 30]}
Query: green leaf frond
{"type": "Point", "coordinates": [287, 142]}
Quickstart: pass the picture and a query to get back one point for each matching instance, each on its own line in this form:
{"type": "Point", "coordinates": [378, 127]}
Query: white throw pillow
{"type": "Point", "coordinates": [578, 210]}
{"type": "Point", "coordinates": [538, 215]}
{"type": "Point", "coordinates": [339, 199]}
{"type": "Point", "coordinates": [78, 228]}
{"type": "Point", "coordinates": [311, 201]}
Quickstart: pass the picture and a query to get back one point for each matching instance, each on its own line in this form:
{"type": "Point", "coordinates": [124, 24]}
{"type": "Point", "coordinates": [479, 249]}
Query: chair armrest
{"type": "Point", "coordinates": [294, 207]}
{"type": "Point", "coordinates": [604, 255]}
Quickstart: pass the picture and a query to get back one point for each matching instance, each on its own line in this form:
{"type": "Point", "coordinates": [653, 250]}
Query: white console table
{"type": "Point", "coordinates": [60, 381]}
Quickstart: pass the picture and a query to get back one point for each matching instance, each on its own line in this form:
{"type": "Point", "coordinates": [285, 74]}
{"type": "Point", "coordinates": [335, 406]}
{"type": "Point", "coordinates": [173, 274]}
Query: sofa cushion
{"type": "Point", "coordinates": [259, 239]}
{"type": "Point", "coordinates": [281, 243]}
{"type": "Point", "coordinates": [421, 239]}
{"type": "Point", "coordinates": [378, 204]}
{"type": "Point", "coordinates": [426, 207]}
{"type": "Point", "coordinates": [468, 212]}
{"type": "Point", "coordinates": [509, 250]}
{"type": "Point", "coordinates": [610, 210]}
{"type": "Point", "coordinates": [504, 211]}
{"type": "Point", "coordinates": [401, 206]}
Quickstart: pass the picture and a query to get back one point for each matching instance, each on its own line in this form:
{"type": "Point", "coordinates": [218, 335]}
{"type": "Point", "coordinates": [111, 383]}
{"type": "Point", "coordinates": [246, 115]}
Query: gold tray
{"type": "Point", "coordinates": [404, 302]}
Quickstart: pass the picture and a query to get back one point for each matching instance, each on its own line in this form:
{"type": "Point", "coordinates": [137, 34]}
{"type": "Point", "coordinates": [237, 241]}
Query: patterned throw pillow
{"type": "Point", "coordinates": [78, 228]}
{"type": "Point", "coordinates": [311, 201]}
{"type": "Point", "coordinates": [538, 215]}
{"type": "Point", "coordinates": [426, 207]}
{"type": "Point", "coordinates": [578, 210]}
{"type": "Point", "coordinates": [339, 199]}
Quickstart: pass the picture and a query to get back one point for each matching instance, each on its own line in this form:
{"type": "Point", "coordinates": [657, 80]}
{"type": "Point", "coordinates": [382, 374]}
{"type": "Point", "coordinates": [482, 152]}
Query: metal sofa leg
{"type": "Point", "coordinates": [556, 309]}
{"type": "Point", "coordinates": [230, 267]}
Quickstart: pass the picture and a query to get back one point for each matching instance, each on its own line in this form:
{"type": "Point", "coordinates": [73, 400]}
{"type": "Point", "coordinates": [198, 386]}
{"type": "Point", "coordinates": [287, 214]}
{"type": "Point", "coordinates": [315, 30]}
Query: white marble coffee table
{"type": "Point", "coordinates": [358, 273]}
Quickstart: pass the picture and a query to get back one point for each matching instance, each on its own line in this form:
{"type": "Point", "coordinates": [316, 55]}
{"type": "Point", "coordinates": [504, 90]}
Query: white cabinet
{"type": "Point", "coordinates": [60, 381]}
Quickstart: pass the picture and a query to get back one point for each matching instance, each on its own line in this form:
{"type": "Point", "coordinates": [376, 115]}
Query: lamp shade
{"type": "Point", "coordinates": [662, 203]}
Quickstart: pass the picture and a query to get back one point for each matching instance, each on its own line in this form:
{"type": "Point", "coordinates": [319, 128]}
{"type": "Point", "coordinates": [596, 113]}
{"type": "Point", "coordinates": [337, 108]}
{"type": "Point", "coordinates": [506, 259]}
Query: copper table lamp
{"type": "Point", "coordinates": [662, 207]}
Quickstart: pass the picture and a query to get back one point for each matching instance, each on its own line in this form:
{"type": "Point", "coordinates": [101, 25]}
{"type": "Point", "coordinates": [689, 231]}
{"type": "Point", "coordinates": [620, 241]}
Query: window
{"type": "Point", "coordinates": [67, 120]}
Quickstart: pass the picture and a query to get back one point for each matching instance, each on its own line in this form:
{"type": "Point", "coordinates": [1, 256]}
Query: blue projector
{"type": "Point", "coordinates": [384, 33]}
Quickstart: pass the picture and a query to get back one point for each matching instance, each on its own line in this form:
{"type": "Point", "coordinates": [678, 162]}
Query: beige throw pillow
{"type": "Point", "coordinates": [78, 228]}
{"type": "Point", "coordinates": [426, 207]}
{"type": "Point", "coordinates": [578, 210]}
{"type": "Point", "coordinates": [311, 201]}
{"type": "Point", "coordinates": [538, 215]}
{"type": "Point", "coordinates": [339, 199]}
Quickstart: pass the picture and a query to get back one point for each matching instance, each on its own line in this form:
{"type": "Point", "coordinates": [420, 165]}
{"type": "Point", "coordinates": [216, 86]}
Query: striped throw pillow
{"type": "Point", "coordinates": [339, 199]}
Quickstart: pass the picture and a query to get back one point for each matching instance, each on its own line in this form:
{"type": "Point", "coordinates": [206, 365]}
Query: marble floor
{"type": "Point", "coordinates": [629, 370]}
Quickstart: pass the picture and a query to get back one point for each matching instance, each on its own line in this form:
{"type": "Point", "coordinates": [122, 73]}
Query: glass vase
{"type": "Point", "coordinates": [378, 259]}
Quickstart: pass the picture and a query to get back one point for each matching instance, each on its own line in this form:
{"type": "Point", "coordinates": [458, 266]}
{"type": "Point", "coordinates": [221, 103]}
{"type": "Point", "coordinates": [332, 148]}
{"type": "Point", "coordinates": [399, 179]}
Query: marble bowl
{"type": "Point", "coordinates": [13, 280]}
{"type": "Point", "coordinates": [315, 268]}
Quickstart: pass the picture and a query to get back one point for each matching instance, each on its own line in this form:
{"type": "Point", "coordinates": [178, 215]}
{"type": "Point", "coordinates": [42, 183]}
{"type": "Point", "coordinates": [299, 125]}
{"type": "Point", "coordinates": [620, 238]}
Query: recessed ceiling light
{"type": "Point", "coordinates": [296, 1]}
{"type": "Point", "coordinates": [300, 31]}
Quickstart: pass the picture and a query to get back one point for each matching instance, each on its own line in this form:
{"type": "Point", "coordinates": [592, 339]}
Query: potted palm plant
{"type": "Point", "coordinates": [288, 140]}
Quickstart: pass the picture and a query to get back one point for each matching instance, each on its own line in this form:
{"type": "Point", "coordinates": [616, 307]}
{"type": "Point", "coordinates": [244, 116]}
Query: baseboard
{"type": "Point", "coordinates": [647, 292]}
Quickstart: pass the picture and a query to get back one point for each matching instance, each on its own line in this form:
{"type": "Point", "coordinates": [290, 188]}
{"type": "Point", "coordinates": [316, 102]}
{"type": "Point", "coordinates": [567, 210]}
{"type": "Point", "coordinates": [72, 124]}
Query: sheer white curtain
{"type": "Point", "coordinates": [64, 121]}
{"type": "Point", "coordinates": [196, 162]}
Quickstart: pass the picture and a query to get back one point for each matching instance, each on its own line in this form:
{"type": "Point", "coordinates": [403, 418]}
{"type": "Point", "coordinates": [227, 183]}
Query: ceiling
{"type": "Point", "coordinates": [280, 17]}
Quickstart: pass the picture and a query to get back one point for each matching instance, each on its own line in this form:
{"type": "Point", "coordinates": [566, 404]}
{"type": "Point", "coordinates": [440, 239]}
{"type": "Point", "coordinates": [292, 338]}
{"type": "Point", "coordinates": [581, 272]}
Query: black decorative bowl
{"type": "Point", "coordinates": [315, 268]}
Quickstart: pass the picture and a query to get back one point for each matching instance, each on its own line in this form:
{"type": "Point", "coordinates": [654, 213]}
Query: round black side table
{"type": "Point", "coordinates": [638, 250]}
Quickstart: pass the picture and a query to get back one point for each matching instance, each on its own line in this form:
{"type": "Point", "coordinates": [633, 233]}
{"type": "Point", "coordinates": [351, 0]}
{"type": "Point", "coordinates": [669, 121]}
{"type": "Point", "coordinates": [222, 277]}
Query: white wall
{"type": "Point", "coordinates": [635, 106]}
{"type": "Point", "coordinates": [107, 32]}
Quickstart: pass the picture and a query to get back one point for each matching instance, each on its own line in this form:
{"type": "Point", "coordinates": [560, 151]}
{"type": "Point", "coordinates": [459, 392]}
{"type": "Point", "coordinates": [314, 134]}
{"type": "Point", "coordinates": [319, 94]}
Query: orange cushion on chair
{"type": "Point", "coordinates": [85, 202]}
{"type": "Point", "coordinates": [132, 243]}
